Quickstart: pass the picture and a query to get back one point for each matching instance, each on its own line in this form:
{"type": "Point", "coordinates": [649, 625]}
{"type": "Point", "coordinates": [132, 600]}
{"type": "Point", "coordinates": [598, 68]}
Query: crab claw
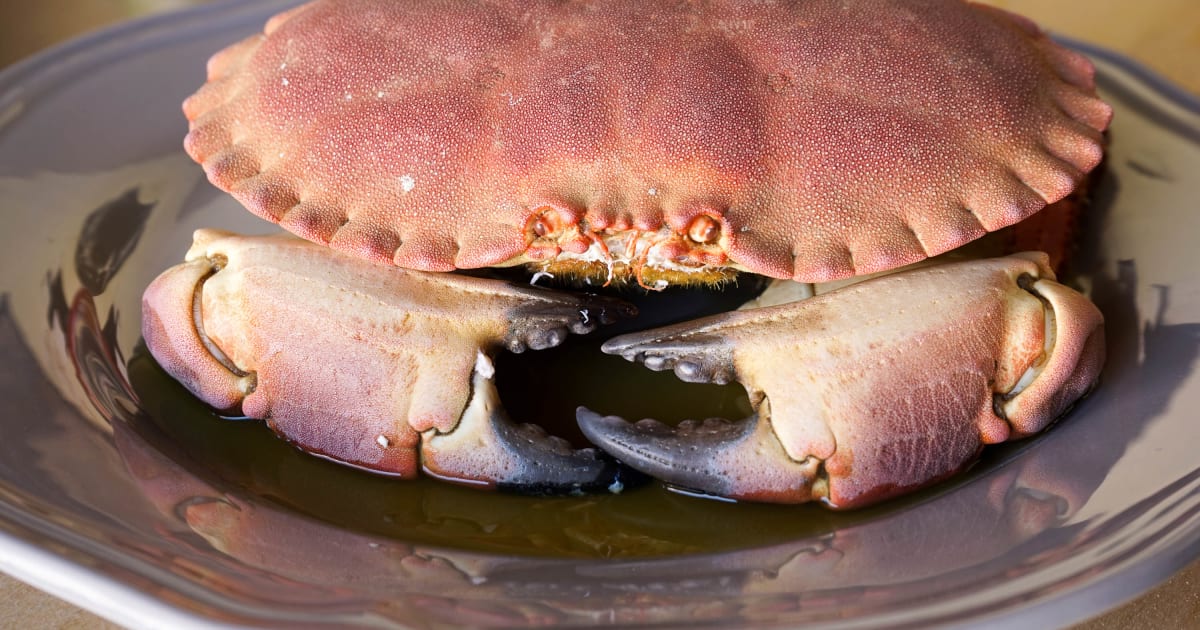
{"type": "Point", "coordinates": [871, 390]}
{"type": "Point", "coordinates": [265, 326]}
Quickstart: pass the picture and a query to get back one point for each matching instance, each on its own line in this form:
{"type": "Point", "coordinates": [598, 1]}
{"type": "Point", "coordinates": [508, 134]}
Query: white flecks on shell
{"type": "Point", "coordinates": [383, 441]}
{"type": "Point", "coordinates": [407, 182]}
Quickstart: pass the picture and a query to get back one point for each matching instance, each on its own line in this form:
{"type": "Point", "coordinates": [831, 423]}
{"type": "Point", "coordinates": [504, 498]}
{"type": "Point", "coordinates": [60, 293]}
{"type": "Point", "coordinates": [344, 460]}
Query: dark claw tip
{"type": "Point", "coordinates": [737, 460]}
{"type": "Point", "coordinates": [550, 467]}
{"type": "Point", "coordinates": [544, 324]}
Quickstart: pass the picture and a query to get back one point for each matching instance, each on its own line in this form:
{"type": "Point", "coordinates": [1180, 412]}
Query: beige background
{"type": "Point", "coordinates": [1163, 34]}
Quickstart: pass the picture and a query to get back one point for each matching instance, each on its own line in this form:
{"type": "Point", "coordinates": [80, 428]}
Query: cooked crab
{"type": "Point", "coordinates": [660, 143]}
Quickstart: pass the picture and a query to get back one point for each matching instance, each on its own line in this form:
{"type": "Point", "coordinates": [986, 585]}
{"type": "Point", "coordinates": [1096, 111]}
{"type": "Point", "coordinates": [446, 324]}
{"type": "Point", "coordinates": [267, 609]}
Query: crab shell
{"type": "Point", "coordinates": [809, 140]}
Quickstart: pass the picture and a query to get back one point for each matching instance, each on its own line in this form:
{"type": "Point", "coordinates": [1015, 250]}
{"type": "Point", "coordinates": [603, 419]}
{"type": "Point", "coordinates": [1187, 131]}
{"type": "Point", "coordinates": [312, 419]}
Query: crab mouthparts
{"type": "Point", "coordinates": [654, 259]}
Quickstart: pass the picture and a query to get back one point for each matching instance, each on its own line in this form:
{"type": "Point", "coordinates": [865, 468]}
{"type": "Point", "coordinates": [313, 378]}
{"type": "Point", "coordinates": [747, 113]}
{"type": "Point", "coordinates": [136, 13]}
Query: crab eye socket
{"type": "Point", "coordinates": [544, 222]}
{"type": "Point", "coordinates": [704, 230]}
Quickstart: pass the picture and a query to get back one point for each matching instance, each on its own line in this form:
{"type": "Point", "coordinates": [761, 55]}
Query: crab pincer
{"type": "Point", "coordinates": [871, 390]}
{"type": "Point", "coordinates": [385, 369]}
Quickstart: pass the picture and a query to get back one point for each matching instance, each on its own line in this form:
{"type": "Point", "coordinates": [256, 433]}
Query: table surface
{"type": "Point", "coordinates": [1162, 34]}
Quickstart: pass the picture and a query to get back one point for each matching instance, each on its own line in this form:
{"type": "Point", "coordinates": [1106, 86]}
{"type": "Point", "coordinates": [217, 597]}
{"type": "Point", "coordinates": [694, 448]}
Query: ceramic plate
{"type": "Point", "coordinates": [110, 499]}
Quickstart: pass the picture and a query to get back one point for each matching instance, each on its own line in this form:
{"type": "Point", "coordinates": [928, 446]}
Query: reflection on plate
{"type": "Point", "coordinates": [105, 501]}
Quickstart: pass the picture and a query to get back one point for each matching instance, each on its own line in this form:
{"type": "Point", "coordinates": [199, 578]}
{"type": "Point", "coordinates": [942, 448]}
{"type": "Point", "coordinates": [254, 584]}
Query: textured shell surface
{"type": "Point", "coordinates": [818, 139]}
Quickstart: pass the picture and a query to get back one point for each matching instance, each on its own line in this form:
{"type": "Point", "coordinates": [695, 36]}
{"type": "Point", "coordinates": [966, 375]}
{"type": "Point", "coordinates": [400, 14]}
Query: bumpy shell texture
{"type": "Point", "coordinates": [828, 138]}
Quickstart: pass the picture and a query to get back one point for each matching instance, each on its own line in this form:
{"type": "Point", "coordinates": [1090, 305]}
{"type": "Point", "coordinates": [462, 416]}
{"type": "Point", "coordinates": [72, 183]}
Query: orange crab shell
{"type": "Point", "coordinates": [822, 139]}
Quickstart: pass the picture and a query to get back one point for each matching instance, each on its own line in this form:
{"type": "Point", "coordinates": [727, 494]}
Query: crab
{"type": "Point", "coordinates": [651, 143]}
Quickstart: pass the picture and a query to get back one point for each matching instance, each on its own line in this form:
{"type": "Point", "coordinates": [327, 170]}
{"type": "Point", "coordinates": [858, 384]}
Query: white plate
{"type": "Point", "coordinates": [101, 507]}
